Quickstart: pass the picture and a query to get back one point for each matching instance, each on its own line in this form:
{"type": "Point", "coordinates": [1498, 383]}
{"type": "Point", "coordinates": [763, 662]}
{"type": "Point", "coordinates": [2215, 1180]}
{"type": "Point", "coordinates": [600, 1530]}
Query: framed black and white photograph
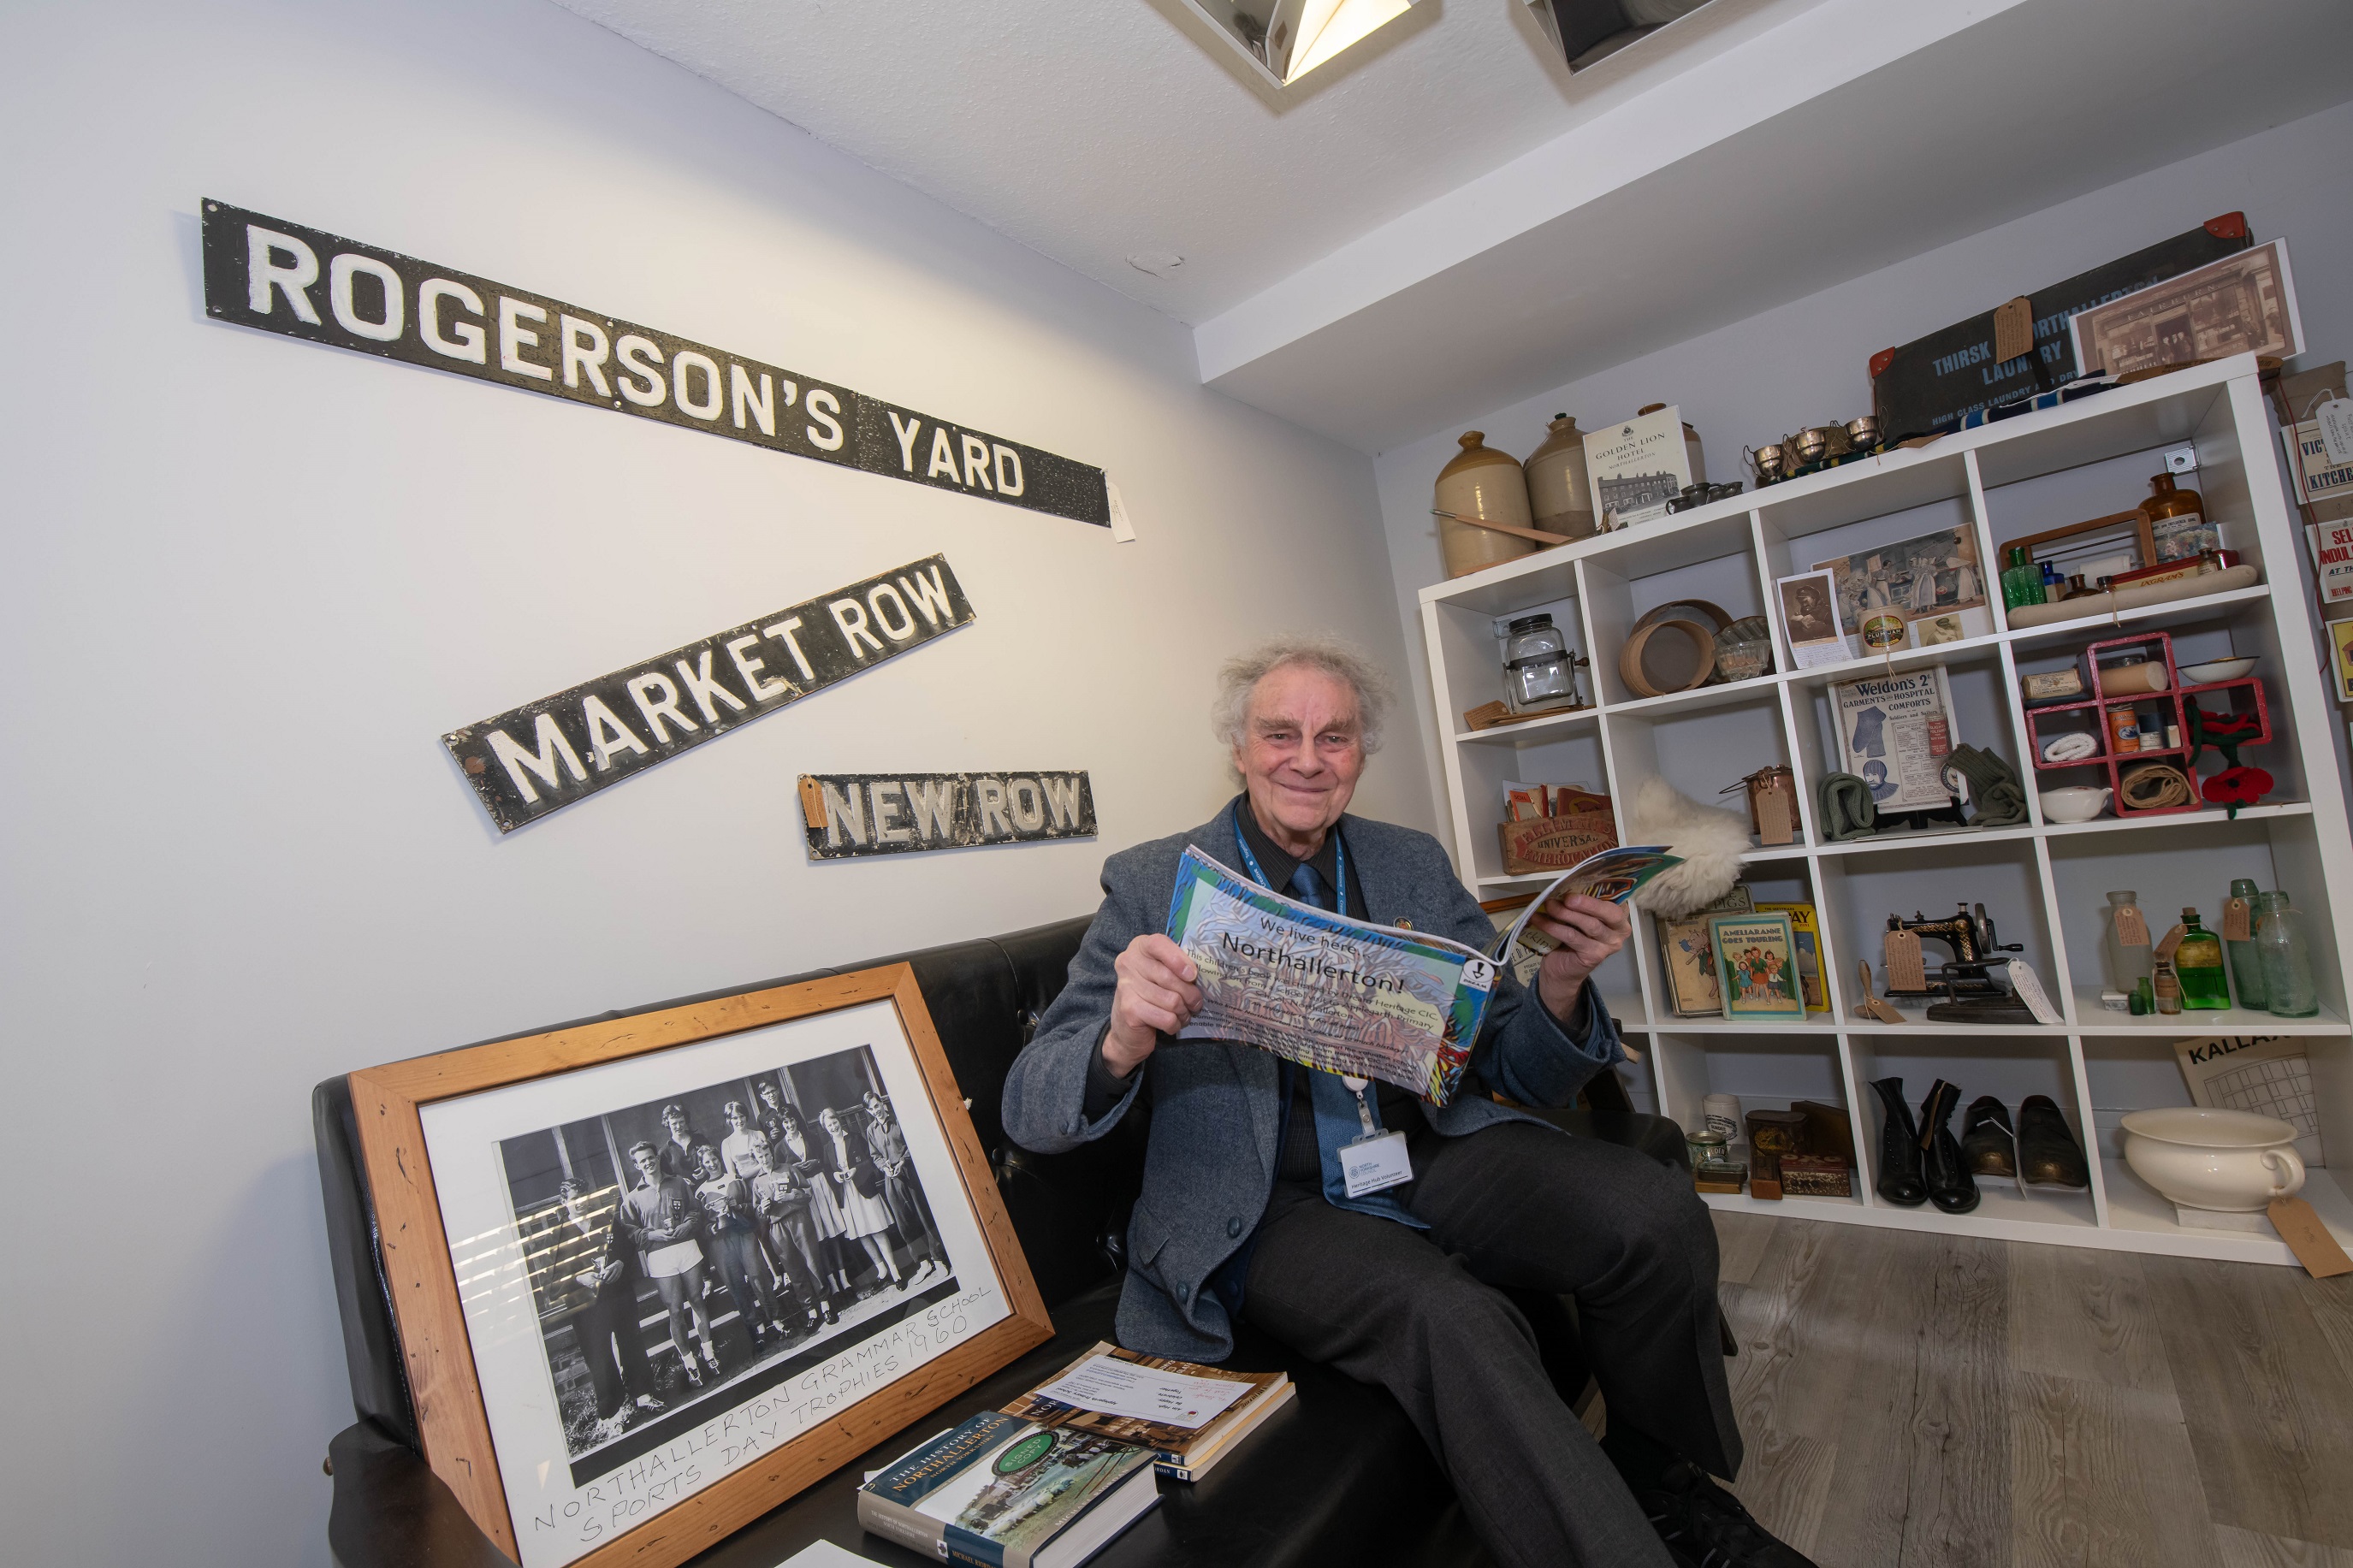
{"type": "Point", "coordinates": [691, 1258]}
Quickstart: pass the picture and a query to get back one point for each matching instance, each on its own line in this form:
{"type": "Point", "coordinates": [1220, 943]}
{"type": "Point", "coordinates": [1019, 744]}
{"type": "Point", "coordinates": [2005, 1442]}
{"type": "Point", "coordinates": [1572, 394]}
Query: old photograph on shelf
{"type": "Point", "coordinates": [1933, 577]}
{"type": "Point", "coordinates": [688, 1259]}
{"type": "Point", "coordinates": [1810, 619]}
{"type": "Point", "coordinates": [2243, 303]}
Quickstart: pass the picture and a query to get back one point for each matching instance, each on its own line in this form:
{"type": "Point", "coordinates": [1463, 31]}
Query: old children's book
{"type": "Point", "coordinates": [1158, 1406]}
{"type": "Point", "coordinates": [999, 1492]}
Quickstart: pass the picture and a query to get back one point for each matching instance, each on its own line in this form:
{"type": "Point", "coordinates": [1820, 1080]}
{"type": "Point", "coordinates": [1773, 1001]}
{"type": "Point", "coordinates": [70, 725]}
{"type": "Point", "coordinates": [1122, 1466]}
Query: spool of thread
{"type": "Point", "coordinates": [1721, 1113]}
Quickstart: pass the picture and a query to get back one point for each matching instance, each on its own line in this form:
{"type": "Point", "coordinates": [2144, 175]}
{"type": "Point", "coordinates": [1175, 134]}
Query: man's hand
{"type": "Point", "coordinates": [1589, 930]}
{"type": "Point", "coordinates": [1155, 996]}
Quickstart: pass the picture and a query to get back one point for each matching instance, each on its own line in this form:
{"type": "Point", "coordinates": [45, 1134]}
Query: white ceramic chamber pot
{"type": "Point", "coordinates": [2204, 1158]}
{"type": "Point", "coordinates": [2076, 803]}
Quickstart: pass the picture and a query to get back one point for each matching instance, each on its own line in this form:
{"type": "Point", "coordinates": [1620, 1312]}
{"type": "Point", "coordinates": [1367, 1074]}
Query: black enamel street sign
{"type": "Point", "coordinates": [896, 813]}
{"type": "Point", "coordinates": [546, 754]}
{"type": "Point", "coordinates": [283, 277]}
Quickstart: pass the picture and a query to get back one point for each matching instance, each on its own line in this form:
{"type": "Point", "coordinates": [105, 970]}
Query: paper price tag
{"type": "Point", "coordinates": [1773, 821]}
{"type": "Point", "coordinates": [2335, 418]}
{"type": "Point", "coordinates": [2171, 941]}
{"type": "Point", "coordinates": [2013, 328]}
{"type": "Point", "coordinates": [2309, 1239]}
{"type": "Point", "coordinates": [1870, 1006]}
{"type": "Point", "coordinates": [2237, 925]}
{"type": "Point", "coordinates": [2132, 931]}
{"type": "Point", "coordinates": [1906, 972]}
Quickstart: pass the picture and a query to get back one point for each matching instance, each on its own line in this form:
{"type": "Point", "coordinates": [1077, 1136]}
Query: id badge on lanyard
{"type": "Point", "coordinates": [1375, 1160]}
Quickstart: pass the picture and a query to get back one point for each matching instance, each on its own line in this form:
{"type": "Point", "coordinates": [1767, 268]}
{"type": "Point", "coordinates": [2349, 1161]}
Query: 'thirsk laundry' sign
{"type": "Point", "coordinates": [283, 277]}
{"type": "Point", "coordinates": [546, 754]}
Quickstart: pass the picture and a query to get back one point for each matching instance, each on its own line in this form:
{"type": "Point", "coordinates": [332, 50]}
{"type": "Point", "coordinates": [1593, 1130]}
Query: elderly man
{"type": "Point", "coordinates": [1245, 1212]}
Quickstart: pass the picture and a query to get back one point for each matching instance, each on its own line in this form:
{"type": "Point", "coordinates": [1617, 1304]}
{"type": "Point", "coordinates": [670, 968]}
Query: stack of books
{"type": "Point", "coordinates": [1049, 1482]}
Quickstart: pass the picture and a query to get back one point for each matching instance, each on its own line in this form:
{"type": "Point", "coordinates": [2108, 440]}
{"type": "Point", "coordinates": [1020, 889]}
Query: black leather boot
{"type": "Point", "coordinates": [1899, 1148]}
{"type": "Point", "coordinates": [1988, 1146]}
{"type": "Point", "coordinates": [1950, 1186]}
{"type": "Point", "coordinates": [2048, 1155]}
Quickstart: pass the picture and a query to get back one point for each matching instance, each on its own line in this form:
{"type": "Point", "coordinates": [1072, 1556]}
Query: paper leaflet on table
{"type": "Point", "coordinates": [1347, 995]}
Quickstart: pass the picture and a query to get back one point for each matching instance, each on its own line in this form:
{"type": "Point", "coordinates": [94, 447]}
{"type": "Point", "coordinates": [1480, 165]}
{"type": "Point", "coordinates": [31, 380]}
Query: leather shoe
{"type": "Point", "coordinates": [2048, 1155]}
{"type": "Point", "coordinates": [1702, 1523]}
{"type": "Point", "coordinates": [1988, 1146]}
{"type": "Point", "coordinates": [1950, 1186]}
{"type": "Point", "coordinates": [1899, 1148]}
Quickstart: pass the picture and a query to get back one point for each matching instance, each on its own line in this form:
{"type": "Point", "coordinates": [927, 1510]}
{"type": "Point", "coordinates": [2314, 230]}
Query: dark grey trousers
{"type": "Point", "coordinates": [1422, 1313]}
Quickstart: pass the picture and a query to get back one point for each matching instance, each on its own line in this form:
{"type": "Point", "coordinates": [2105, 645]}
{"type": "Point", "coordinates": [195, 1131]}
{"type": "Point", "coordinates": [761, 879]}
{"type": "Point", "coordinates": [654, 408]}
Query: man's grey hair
{"type": "Point", "coordinates": [1229, 714]}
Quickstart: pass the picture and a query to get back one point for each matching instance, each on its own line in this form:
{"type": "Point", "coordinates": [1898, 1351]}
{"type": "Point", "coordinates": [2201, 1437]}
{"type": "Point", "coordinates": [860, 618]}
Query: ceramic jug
{"type": "Point", "coordinates": [1484, 483]}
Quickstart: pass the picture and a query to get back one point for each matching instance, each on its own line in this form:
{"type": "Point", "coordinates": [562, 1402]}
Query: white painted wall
{"type": "Point", "coordinates": [1807, 361]}
{"type": "Point", "coordinates": [250, 581]}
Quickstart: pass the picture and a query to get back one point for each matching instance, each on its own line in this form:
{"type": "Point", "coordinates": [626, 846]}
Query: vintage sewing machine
{"type": "Point", "coordinates": [1971, 993]}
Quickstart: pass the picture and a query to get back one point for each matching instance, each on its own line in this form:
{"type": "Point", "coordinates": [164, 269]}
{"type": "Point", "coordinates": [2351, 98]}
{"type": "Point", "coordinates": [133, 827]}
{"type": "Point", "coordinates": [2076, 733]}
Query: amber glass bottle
{"type": "Point", "coordinates": [2177, 518]}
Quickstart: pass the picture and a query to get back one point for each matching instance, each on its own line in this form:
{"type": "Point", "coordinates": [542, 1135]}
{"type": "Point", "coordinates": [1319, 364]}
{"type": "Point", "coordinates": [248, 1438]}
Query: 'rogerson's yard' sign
{"type": "Point", "coordinates": [283, 277]}
{"type": "Point", "coordinates": [890, 814]}
{"type": "Point", "coordinates": [545, 755]}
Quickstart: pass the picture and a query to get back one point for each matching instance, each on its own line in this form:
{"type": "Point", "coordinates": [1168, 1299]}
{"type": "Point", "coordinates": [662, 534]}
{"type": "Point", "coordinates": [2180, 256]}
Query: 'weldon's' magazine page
{"type": "Point", "coordinates": [1347, 995]}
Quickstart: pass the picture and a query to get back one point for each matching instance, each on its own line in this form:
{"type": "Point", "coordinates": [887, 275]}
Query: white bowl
{"type": "Point", "coordinates": [2076, 803]}
{"type": "Point", "coordinates": [2215, 669]}
{"type": "Point", "coordinates": [2202, 1158]}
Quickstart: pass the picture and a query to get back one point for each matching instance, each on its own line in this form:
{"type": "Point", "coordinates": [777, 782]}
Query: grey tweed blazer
{"type": "Point", "coordinates": [1210, 1160]}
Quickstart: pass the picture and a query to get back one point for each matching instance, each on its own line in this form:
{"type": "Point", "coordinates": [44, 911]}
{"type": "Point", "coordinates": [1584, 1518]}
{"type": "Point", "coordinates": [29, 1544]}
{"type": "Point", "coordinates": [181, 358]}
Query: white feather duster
{"type": "Point", "coordinates": [1711, 843]}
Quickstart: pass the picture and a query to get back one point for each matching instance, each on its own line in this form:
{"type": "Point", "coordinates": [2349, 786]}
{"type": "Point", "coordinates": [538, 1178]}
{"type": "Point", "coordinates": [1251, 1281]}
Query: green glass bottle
{"type": "Point", "coordinates": [2246, 964]}
{"type": "Point", "coordinates": [2197, 962]}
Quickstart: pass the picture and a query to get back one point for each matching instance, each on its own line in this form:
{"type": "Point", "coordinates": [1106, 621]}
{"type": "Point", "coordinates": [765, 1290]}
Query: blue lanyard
{"type": "Point", "coordinates": [1257, 872]}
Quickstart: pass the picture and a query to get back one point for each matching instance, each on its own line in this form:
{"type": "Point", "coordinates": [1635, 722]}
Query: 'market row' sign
{"type": "Point", "coordinates": [546, 754]}
{"type": "Point", "coordinates": [283, 277]}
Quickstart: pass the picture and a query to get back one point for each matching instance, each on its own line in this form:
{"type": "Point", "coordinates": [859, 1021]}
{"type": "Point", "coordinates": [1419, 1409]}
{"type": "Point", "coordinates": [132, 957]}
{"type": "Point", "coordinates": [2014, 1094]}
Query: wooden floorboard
{"type": "Point", "coordinates": [1917, 1401]}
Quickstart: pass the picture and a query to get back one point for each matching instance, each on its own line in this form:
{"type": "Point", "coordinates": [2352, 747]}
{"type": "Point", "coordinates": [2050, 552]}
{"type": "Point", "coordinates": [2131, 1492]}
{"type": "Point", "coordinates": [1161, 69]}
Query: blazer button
{"type": "Point", "coordinates": [1184, 1292]}
{"type": "Point", "coordinates": [1234, 1226]}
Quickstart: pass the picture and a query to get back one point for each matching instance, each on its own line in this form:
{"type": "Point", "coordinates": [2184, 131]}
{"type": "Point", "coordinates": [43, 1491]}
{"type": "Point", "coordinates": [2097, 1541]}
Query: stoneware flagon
{"type": "Point", "coordinates": [1560, 488]}
{"type": "Point", "coordinates": [1489, 484]}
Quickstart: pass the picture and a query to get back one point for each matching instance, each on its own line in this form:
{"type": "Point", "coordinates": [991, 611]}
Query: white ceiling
{"type": "Point", "coordinates": [1105, 128]}
{"type": "Point", "coordinates": [1444, 220]}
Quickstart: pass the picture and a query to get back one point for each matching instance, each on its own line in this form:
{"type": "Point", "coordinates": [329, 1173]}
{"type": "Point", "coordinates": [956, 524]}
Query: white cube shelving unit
{"type": "Point", "coordinates": [2045, 883]}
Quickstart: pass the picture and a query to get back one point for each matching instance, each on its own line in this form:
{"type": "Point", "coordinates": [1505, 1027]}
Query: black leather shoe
{"type": "Point", "coordinates": [1950, 1186]}
{"type": "Point", "coordinates": [1704, 1525]}
{"type": "Point", "coordinates": [2048, 1155]}
{"type": "Point", "coordinates": [1988, 1146]}
{"type": "Point", "coordinates": [1899, 1148]}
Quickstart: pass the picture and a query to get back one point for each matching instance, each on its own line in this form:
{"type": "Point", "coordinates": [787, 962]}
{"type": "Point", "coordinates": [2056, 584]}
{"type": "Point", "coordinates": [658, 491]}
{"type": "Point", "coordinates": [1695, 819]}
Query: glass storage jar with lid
{"type": "Point", "coordinates": [1536, 672]}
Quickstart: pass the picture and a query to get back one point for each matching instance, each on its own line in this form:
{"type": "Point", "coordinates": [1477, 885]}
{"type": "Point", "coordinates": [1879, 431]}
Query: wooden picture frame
{"type": "Point", "coordinates": [393, 1104]}
{"type": "Point", "coordinates": [2144, 534]}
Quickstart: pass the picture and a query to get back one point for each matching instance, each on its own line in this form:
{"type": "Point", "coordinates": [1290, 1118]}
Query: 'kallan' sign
{"type": "Point", "coordinates": [283, 277]}
{"type": "Point", "coordinates": [891, 813]}
{"type": "Point", "coordinates": [545, 755]}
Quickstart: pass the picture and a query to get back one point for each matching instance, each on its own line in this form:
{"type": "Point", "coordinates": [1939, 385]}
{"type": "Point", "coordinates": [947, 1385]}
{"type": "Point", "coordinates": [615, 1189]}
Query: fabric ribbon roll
{"type": "Point", "coordinates": [1847, 809]}
{"type": "Point", "coordinates": [2156, 787]}
{"type": "Point", "coordinates": [2071, 747]}
{"type": "Point", "coordinates": [1994, 789]}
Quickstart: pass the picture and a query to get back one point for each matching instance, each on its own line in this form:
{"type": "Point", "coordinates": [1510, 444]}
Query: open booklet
{"type": "Point", "coordinates": [1349, 996]}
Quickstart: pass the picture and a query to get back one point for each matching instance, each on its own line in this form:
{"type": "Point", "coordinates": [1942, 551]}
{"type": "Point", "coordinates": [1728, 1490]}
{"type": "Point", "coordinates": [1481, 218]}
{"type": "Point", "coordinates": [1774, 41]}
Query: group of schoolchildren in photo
{"type": "Point", "coordinates": [783, 1215]}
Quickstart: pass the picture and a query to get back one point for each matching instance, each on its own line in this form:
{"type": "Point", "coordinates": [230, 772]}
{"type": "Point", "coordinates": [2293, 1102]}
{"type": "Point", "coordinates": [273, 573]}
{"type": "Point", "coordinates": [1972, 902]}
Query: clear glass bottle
{"type": "Point", "coordinates": [2127, 966]}
{"type": "Point", "coordinates": [2246, 964]}
{"type": "Point", "coordinates": [1535, 665]}
{"type": "Point", "coordinates": [2287, 961]}
{"type": "Point", "coordinates": [2198, 964]}
{"type": "Point", "coordinates": [2169, 988]}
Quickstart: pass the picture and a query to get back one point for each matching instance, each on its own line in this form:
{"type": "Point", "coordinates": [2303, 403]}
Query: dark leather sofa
{"type": "Point", "coordinates": [1339, 1477]}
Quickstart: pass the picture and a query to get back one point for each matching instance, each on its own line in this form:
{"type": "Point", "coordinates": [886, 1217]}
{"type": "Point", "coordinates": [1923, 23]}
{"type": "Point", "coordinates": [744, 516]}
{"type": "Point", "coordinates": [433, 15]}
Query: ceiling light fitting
{"type": "Point", "coordinates": [1587, 32]}
{"type": "Point", "coordinates": [1285, 39]}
